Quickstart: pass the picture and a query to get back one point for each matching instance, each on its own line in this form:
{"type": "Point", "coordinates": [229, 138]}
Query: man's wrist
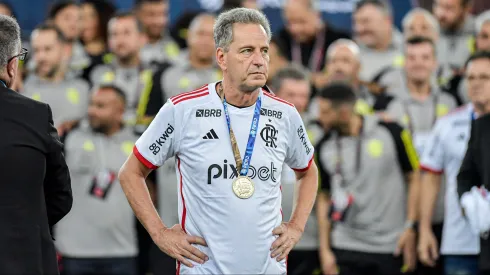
{"type": "Point", "coordinates": [410, 224]}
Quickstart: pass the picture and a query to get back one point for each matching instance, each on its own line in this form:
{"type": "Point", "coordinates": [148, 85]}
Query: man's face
{"type": "Point", "coordinates": [200, 38]}
{"type": "Point", "coordinates": [449, 13]}
{"type": "Point", "coordinates": [420, 26]}
{"type": "Point", "coordinates": [247, 59]}
{"type": "Point", "coordinates": [48, 52]}
{"type": "Point", "coordinates": [68, 21]}
{"type": "Point", "coordinates": [154, 17]}
{"type": "Point", "coordinates": [342, 65]}
{"type": "Point", "coordinates": [90, 23]}
{"type": "Point", "coordinates": [369, 25]}
{"type": "Point", "coordinates": [105, 110]}
{"type": "Point", "coordinates": [420, 62]}
{"type": "Point", "coordinates": [331, 117]}
{"type": "Point", "coordinates": [478, 78]}
{"type": "Point", "coordinates": [5, 10]}
{"type": "Point", "coordinates": [300, 21]}
{"type": "Point", "coordinates": [483, 38]}
{"type": "Point", "coordinates": [297, 92]}
{"type": "Point", "coordinates": [125, 40]}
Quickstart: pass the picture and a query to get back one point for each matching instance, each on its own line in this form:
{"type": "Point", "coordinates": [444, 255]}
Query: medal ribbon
{"type": "Point", "coordinates": [242, 166]}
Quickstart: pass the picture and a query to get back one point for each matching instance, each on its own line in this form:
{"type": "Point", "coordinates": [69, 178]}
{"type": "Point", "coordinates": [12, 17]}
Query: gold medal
{"type": "Point", "coordinates": [243, 187]}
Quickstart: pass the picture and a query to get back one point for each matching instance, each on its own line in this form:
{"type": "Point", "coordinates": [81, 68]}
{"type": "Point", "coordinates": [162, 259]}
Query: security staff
{"type": "Point", "coordinates": [364, 166]}
{"type": "Point", "coordinates": [99, 236]}
{"type": "Point", "coordinates": [124, 68]}
{"type": "Point", "coordinates": [160, 48]}
{"type": "Point", "coordinates": [68, 97]}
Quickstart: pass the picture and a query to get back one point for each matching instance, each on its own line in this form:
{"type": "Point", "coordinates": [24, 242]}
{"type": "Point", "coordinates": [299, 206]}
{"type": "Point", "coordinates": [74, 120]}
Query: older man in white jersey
{"type": "Point", "coordinates": [229, 156]}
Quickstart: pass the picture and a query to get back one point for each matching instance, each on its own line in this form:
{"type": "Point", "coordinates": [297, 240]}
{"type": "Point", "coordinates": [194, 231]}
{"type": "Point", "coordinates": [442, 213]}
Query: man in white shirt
{"type": "Point", "coordinates": [445, 150]}
{"type": "Point", "coordinates": [230, 209]}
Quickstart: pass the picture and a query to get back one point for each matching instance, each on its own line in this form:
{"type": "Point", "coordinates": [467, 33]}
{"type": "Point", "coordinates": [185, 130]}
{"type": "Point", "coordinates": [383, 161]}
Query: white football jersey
{"type": "Point", "coordinates": [192, 127]}
{"type": "Point", "coordinates": [445, 150]}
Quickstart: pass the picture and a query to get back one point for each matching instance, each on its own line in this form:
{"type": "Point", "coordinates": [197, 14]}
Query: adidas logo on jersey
{"type": "Point", "coordinates": [211, 135]}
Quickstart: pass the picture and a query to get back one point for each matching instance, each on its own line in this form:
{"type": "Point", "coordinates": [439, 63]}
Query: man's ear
{"type": "Point", "coordinates": [221, 58]}
{"type": "Point", "coordinates": [12, 67]}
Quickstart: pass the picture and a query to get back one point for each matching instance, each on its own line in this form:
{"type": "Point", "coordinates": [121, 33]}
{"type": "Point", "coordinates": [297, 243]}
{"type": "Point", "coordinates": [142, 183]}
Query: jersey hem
{"type": "Point", "coordinates": [431, 170]}
{"type": "Point", "coordinates": [304, 169]}
{"type": "Point", "coordinates": [143, 160]}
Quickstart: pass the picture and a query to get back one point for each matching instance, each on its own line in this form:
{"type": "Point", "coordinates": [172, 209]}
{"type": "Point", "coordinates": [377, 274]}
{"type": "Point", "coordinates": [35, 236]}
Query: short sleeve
{"type": "Point", "coordinates": [432, 159]}
{"type": "Point", "coordinates": [406, 153]}
{"type": "Point", "coordinates": [300, 151]}
{"type": "Point", "coordinates": [159, 142]}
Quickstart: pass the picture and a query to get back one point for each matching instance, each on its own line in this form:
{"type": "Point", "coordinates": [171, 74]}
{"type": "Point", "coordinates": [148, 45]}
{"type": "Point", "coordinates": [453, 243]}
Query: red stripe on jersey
{"type": "Point", "coordinates": [189, 93]}
{"type": "Point", "coordinates": [306, 168]}
{"type": "Point", "coordinates": [276, 98]}
{"type": "Point", "coordinates": [143, 160]}
{"type": "Point", "coordinates": [178, 267]}
{"type": "Point", "coordinates": [184, 211]}
{"type": "Point", "coordinates": [191, 96]}
{"type": "Point", "coordinates": [428, 169]}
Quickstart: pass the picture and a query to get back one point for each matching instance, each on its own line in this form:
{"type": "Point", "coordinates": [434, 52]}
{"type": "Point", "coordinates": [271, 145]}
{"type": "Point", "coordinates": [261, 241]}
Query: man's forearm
{"type": "Point", "coordinates": [428, 197]}
{"type": "Point", "coordinates": [134, 186]}
{"type": "Point", "coordinates": [413, 195]}
{"type": "Point", "coordinates": [324, 227]}
{"type": "Point", "coordinates": [305, 198]}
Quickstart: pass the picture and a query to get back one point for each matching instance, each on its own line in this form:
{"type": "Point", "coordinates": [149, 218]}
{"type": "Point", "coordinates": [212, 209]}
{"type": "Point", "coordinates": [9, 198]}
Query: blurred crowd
{"type": "Point", "coordinates": [106, 74]}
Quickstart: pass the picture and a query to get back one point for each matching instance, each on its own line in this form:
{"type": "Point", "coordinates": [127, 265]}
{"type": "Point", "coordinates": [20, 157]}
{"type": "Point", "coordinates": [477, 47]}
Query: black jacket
{"type": "Point", "coordinates": [475, 171]}
{"type": "Point", "coordinates": [35, 188]}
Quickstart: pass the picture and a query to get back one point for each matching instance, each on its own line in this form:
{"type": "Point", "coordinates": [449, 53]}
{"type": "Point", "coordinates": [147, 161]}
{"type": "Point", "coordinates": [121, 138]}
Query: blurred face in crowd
{"type": "Point", "coordinates": [125, 39]}
{"type": "Point", "coordinates": [342, 64]}
{"type": "Point", "coordinates": [420, 62]}
{"type": "Point", "coordinates": [48, 52]}
{"type": "Point", "coordinates": [200, 37]}
{"type": "Point", "coordinates": [450, 13]}
{"type": "Point", "coordinates": [483, 38]}
{"type": "Point", "coordinates": [90, 22]}
{"type": "Point", "coordinates": [68, 21]}
{"type": "Point", "coordinates": [4, 10]}
{"type": "Point", "coordinates": [420, 26]}
{"type": "Point", "coordinates": [334, 117]}
{"type": "Point", "coordinates": [154, 17]}
{"type": "Point", "coordinates": [296, 92]}
{"type": "Point", "coordinates": [245, 62]}
{"type": "Point", "coordinates": [106, 110]}
{"type": "Point", "coordinates": [276, 60]}
{"type": "Point", "coordinates": [301, 21]}
{"type": "Point", "coordinates": [250, 4]}
{"type": "Point", "coordinates": [371, 25]}
{"type": "Point", "coordinates": [478, 79]}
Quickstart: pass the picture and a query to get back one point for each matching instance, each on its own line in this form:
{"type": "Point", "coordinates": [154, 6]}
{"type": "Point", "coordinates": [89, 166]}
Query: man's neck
{"type": "Point", "coordinates": [238, 98]}
{"type": "Point", "coordinates": [56, 78]}
{"type": "Point", "coordinates": [131, 62]}
{"type": "Point", "coordinates": [154, 39]}
{"type": "Point", "coordinates": [385, 43]}
{"type": "Point", "coordinates": [419, 91]}
{"type": "Point", "coordinates": [112, 130]}
{"type": "Point", "coordinates": [198, 63]}
{"type": "Point", "coordinates": [355, 125]}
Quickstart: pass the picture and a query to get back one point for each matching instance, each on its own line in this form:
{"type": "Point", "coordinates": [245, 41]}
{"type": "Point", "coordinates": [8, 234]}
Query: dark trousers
{"type": "Point", "coordinates": [461, 265]}
{"type": "Point", "coordinates": [303, 262]}
{"type": "Point", "coordinates": [161, 263]}
{"type": "Point", "coordinates": [439, 268]}
{"type": "Point", "coordinates": [361, 263]}
{"type": "Point", "coordinates": [106, 266]}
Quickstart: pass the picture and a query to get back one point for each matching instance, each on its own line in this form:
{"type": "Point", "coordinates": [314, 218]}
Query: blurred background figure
{"type": "Point", "coordinates": [95, 16]}
{"type": "Point", "coordinates": [420, 22]}
{"type": "Point", "coordinates": [6, 8]}
{"type": "Point", "coordinates": [126, 69]}
{"type": "Point", "coordinates": [483, 32]}
{"type": "Point", "coordinates": [292, 84]}
{"type": "Point", "coordinates": [457, 31]}
{"type": "Point", "coordinates": [381, 44]}
{"type": "Point", "coordinates": [99, 235]}
{"type": "Point", "coordinates": [68, 97]}
{"type": "Point", "coordinates": [160, 46]}
{"type": "Point", "coordinates": [277, 58]}
{"type": "Point", "coordinates": [305, 37]}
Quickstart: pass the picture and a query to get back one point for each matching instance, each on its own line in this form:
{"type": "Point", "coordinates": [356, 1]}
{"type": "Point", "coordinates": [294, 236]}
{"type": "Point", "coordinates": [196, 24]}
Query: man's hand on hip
{"type": "Point", "coordinates": [288, 236]}
{"type": "Point", "coordinates": [178, 245]}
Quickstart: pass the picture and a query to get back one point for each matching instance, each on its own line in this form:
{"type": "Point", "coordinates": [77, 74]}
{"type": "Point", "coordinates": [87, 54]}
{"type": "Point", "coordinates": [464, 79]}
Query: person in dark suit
{"type": "Point", "coordinates": [35, 188]}
{"type": "Point", "coordinates": [474, 170]}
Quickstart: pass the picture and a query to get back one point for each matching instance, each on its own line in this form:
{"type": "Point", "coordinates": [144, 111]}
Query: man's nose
{"type": "Point", "coordinates": [258, 59]}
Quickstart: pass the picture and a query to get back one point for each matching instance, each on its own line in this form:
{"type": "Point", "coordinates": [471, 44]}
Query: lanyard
{"type": "Point", "coordinates": [338, 164]}
{"type": "Point", "coordinates": [316, 54]}
{"type": "Point", "coordinates": [411, 127]}
{"type": "Point", "coordinates": [244, 165]}
{"type": "Point", "coordinates": [3, 83]}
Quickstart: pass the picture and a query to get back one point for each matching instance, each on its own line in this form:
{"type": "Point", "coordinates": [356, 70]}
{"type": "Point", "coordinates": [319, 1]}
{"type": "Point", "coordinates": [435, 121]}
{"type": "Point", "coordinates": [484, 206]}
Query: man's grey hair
{"type": "Point", "coordinates": [293, 72]}
{"type": "Point", "coordinates": [383, 5]}
{"type": "Point", "coordinates": [223, 27]}
{"type": "Point", "coordinates": [407, 20]}
{"type": "Point", "coordinates": [10, 38]}
{"type": "Point", "coordinates": [351, 45]}
{"type": "Point", "coordinates": [481, 20]}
